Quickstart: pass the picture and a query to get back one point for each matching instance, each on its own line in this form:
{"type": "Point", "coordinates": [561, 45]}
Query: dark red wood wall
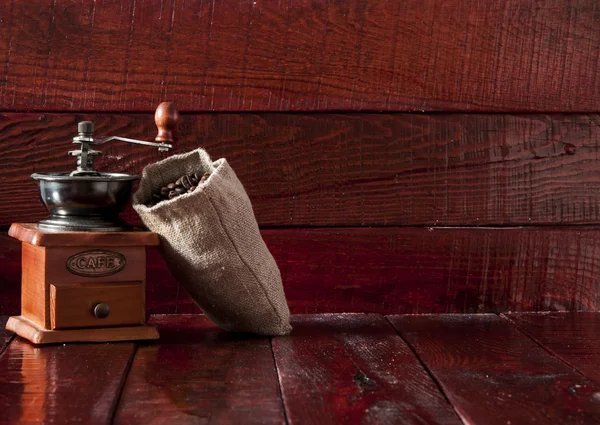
{"type": "Point", "coordinates": [401, 156]}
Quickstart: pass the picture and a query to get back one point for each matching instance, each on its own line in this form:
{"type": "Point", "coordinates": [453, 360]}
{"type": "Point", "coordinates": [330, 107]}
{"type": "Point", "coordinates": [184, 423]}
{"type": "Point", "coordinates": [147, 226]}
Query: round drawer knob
{"type": "Point", "coordinates": [101, 310]}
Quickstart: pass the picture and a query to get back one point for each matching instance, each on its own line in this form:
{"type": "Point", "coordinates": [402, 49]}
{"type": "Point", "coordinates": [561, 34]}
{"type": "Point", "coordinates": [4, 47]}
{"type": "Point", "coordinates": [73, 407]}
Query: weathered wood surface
{"type": "Point", "coordinates": [66, 384]}
{"type": "Point", "coordinates": [31, 234]}
{"type": "Point", "coordinates": [401, 270]}
{"type": "Point", "coordinates": [341, 368]}
{"type": "Point", "coordinates": [572, 337]}
{"type": "Point", "coordinates": [5, 336]}
{"type": "Point", "coordinates": [494, 374]}
{"type": "Point", "coordinates": [347, 170]}
{"type": "Point", "coordinates": [197, 373]}
{"type": "Point", "coordinates": [10, 275]}
{"type": "Point", "coordinates": [125, 55]}
{"type": "Point", "coordinates": [354, 369]}
{"type": "Point", "coordinates": [408, 270]}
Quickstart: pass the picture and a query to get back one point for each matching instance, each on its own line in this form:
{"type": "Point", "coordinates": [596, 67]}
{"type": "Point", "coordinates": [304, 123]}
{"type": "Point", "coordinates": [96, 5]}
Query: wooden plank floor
{"type": "Point", "coordinates": [353, 368]}
{"type": "Point", "coordinates": [334, 368]}
{"type": "Point", "coordinates": [494, 374]}
{"type": "Point", "coordinates": [199, 374]}
{"type": "Point", "coordinates": [572, 337]}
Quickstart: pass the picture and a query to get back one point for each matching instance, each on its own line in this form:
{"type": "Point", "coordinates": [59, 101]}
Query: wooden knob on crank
{"type": "Point", "coordinates": [166, 118]}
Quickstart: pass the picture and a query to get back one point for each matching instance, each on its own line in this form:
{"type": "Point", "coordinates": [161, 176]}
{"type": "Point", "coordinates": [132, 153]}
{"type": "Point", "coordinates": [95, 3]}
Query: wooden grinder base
{"type": "Point", "coordinates": [82, 286]}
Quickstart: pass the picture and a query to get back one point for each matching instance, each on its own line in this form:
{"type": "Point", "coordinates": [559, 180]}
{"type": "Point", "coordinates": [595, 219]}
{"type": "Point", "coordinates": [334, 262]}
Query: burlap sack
{"type": "Point", "coordinates": [211, 243]}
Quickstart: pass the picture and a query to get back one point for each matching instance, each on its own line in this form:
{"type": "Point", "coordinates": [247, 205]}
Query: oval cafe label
{"type": "Point", "coordinates": [96, 263]}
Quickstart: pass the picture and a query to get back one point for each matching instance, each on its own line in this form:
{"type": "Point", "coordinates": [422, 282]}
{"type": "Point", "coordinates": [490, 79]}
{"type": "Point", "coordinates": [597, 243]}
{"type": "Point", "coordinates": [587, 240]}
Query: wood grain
{"type": "Point", "coordinates": [200, 374]}
{"type": "Point", "coordinates": [306, 56]}
{"type": "Point", "coordinates": [347, 170]}
{"type": "Point", "coordinates": [34, 288]}
{"type": "Point", "coordinates": [572, 337]}
{"type": "Point", "coordinates": [353, 369]}
{"type": "Point", "coordinates": [403, 270]}
{"type": "Point", "coordinates": [72, 305]}
{"type": "Point", "coordinates": [494, 374]}
{"type": "Point", "coordinates": [57, 258]}
{"type": "Point", "coordinates": [408, 270]}
{"type": "Point", "coordinates": [27, 329]}
{"type": "Point", "coordinates": [5, 335]}
{"type": "Point", "coordinates": [29, 233]}
{"type": "Point", "coordinates": [10, 275]}
{"type": "Point", "coordinates": [66, 384]}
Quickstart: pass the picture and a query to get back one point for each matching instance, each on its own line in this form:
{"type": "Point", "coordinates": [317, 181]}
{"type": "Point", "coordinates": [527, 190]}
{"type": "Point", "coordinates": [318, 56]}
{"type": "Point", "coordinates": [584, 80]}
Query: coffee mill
{"type": "Point", "coordinates": [83, 268]}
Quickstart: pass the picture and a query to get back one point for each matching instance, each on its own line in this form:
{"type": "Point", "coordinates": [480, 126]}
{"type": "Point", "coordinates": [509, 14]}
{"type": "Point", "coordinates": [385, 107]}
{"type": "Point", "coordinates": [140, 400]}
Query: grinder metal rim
{"type": "Point", "coordinates": [84, 203]}
{"type": "Point", "coordinates": [88, 200]}
{"type": "Point", "coordinates": [97, 177]}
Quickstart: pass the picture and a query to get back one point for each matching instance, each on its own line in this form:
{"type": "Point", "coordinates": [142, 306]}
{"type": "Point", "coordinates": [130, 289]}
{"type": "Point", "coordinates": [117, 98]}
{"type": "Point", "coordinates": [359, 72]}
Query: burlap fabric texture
{"type": "Point", "coordinates": [211, 243]}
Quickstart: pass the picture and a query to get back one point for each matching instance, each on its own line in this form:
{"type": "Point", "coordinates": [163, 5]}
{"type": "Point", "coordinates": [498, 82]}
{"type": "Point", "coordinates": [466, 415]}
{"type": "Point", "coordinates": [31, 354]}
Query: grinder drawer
{"type": "Point", "coordinates": [83, 305]}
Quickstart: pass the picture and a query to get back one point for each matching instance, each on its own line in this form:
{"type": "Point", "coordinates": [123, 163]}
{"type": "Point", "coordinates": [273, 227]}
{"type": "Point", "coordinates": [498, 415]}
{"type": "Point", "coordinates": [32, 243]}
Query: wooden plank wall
{"type": "Point", "coordinates": [411, 156]}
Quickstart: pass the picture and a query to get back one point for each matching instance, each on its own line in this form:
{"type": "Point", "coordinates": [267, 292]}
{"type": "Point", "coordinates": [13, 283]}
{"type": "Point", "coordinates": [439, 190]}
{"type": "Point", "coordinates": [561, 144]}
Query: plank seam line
{"type": "Point", "coordinates": [512, 226]}
{"type": "Point", "coordinates": [301, 112]}
{"type": "Point", "coordinates": [523, 226]}
{"type": "Point", "coordinates": [428, 371]}
{"type": "Point", "coordinates": [121, 388]}
{"type": "Point", "coordinates": [543, 347]}
{"type": "Point", "coordinates": [280, 386]}
{"type": "Point", "coordinates": [10, 340]}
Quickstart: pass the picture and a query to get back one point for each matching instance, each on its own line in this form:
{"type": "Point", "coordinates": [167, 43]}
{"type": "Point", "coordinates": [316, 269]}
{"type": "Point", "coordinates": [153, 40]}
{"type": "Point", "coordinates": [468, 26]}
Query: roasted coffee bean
{"type": "Point", "coordinates": [184, 184]}
{"type": "Point", "coordinates": [185, 181]}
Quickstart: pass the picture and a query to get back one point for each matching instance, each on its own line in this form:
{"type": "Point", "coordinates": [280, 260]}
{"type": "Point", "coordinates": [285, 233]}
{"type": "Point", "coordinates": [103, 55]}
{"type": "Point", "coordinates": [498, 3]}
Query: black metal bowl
{"type": "Point", "coordinates": [84, 202]}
